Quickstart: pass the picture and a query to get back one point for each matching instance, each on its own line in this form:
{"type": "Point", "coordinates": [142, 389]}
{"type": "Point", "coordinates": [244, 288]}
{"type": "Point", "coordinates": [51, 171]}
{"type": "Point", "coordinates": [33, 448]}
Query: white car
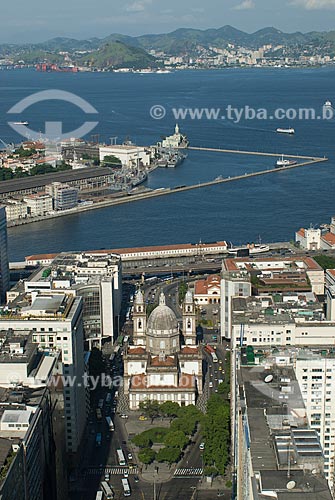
{"type": "Point", "coordinates": [130, 456]}
{"type": "Point", "coordinates": [126, 473]}
{"type": "Point", "coordinates": [201, 446]}
{"type": "Point", "coordinates": [211, 384]}
{"type": "Point", "coordinates": [123, 415]}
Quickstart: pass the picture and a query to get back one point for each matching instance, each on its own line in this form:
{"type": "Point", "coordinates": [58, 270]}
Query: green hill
{"type": "Point", "coordinates": [115, 55]}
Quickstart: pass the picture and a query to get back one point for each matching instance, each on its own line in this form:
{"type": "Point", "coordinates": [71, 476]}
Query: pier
{"type": "Point", "coordinates": [308, 161]}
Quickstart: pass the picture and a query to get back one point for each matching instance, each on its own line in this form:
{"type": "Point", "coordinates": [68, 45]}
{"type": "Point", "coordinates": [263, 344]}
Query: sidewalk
{"type": "Point", "coordinates": [150, 474]}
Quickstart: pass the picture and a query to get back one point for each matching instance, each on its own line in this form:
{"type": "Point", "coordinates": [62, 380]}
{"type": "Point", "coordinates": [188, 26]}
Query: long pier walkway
{"type": "Point", "coordinates": [251, 153]}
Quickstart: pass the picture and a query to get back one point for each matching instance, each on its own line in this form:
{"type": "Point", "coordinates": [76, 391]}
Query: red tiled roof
{"type": "Point", "coordinates": [230, 264]}
{"type": "Point", "coordinates": [203, 286]}
{"type": "Point", "coordinates": [168, 361]}
{"type": "Point", "coordinates": [301, 232]}
{"type": "Point", "coordinates": [329, 238]}
{"type": "Point", "coordinates": [136, 350]}
{"type": "Point", "coordinates": [189, 350]}
{"type": "Point", "coordinates": [42, 256]}
{"type": "Point", "coordinates": [331, 271]}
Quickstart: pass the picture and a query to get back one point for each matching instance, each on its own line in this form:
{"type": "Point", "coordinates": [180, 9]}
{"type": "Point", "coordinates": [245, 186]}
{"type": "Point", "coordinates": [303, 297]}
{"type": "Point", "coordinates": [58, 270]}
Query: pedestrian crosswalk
{"type": "Point", "coordinates": [99, 471]}
{"type": "Point", "coordinates": [190, 471]}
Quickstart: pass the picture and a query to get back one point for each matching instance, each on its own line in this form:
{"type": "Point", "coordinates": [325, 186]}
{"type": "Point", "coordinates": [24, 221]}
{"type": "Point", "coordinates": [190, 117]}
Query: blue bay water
{"type": "Point", "coordinates": [271, 206]}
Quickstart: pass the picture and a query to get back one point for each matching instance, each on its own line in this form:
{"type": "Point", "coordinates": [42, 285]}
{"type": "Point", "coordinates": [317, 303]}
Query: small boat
{"type": "Point", "coordinates": [284, 162]}
{"type": "Point", "coordinates": [286, 131]}
{"type": "Point", "coordinates": [328, 104]}
{"type": "Point", "coordinates": [20, 123]}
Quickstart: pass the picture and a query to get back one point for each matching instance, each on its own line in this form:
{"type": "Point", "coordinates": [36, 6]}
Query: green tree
{"type": "Point", "coordinates": [169, 455]}
{"type": "Point", "coordinates": [325, 261]}
{"type": "Point", "coordinates": [187, 426]}
{"type": "Point", "coordinates": [147, 456]}
{"type": "Point", "coordinates": [183, 287]}
{"type": "Point", "coordinates": [169, 409]}
{"type": "Point", "coordinates": [111, 160]}
{"type": "Point", "coordinates": [176, 439]}
{"type": "Point", "coordinates": [150, 408]}
{"type": "Point", "coordinates": [142, 440]}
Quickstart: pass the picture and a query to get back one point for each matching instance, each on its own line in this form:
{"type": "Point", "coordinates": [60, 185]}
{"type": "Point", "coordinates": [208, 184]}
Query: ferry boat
{"type": "Point", "coordinates": [253, 249]}
{"type": "Point", "coordinates": [290, 131]}
{"type": "Point", "coordinates": [285, 162]}
{"type": "Point", "coordinates": [21, 123]}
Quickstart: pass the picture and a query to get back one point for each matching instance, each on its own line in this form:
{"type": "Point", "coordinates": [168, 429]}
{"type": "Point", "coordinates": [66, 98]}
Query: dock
{"type": "Point", "coordinates": [307, 161]}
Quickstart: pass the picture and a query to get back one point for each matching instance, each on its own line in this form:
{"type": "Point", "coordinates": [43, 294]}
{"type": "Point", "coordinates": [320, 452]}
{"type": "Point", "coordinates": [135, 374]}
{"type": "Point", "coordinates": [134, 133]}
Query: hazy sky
{"type": "Point", "coordinates": [39, 20]}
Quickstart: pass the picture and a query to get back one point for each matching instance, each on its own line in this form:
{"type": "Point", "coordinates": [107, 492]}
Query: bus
{"type": "Point", "coordinates": [110, 423]}
{"type": "Point", "coordinates": [99, 495]}
{"type": "Point", "coordinates": [98, 414]}
{"type": "Point", "coordinates": [126, 487]}
{"type": "Point", "coordinates": [98, 438]}
{"type": "Point", "coordinates": [107, 490]}
{"type": "Point", "coordinates": [120, 457]}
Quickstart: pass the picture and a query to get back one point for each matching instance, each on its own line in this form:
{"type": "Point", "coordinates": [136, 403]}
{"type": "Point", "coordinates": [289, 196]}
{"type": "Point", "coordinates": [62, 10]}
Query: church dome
{"type": "Point", "coordinates": [162, 319]}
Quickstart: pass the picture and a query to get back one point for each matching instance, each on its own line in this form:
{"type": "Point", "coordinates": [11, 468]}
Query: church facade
{"type": "Point", "coordinates": [163, 364]}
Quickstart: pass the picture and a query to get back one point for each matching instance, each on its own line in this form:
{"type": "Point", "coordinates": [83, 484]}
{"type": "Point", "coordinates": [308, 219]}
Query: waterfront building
{"type": "Point", "coordinates": [128, 154]}
{"type": "Point", "coordinates": [83, 179]}
{"type": "Point", "coordinates": [317, 239]}
{"type": "Point", "coordinates": [137, 254]}
{"type": "Point", "coordinates": [15, 209]}
{"type": "Point", "coordinates": [38, 204]}
{"type": "Point", "coordinates": [4, 267]}
{"type": "Point", "coordinates": [63, 196]}
{"type": "Point", "coordinates": [175, 140]}
{"type": "Point", "coordinates": [161, 364]}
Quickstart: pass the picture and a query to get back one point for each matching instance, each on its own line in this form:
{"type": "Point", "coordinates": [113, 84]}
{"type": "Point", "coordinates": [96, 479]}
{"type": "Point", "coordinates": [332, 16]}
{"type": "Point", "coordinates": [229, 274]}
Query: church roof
{"type": "Point", "coordinates": [162, 318]}
{"type": "Point", "coordinates": [136, 350]}
{"type": "Point", "coordinates": [168, 361]}
{"type": "Point", "coordinates": [189, 350]}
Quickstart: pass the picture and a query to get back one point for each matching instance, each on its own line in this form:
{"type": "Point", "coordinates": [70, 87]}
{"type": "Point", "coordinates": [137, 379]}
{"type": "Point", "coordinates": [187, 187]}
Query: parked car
{"type": "Point", "coordinates": [130, 456]}
{"type": "Point", "coordinates": [142, 417]}
{"type": "Point", "coordinates": [123, 415]}
{"type": "Point", "coordinates": [201, 446]}
{"type": "Point", "coordinates": [136, 479]}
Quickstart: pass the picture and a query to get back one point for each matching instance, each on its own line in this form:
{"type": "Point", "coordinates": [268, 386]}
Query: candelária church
{"type": "Point", "coordinates": [164, 364]}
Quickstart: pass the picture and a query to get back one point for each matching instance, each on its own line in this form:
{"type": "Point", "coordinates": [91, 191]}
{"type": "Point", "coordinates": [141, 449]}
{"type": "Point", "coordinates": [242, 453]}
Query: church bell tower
{"type": "Point", "coordinates": [139, 320]}
{"type": "Point", "coordinates": [189, 320]}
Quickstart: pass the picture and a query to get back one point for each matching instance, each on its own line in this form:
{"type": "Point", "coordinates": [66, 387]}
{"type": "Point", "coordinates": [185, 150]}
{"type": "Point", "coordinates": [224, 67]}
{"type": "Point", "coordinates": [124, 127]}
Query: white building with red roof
{"type": "Point", "coordinates": [208, 291]}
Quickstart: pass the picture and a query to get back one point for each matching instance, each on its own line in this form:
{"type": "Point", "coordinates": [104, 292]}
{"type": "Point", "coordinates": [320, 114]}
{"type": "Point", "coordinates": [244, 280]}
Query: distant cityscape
{"type": "Point", "coordinates": [183, 49]}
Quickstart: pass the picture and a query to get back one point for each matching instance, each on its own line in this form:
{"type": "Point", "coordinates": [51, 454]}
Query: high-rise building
{"type": "Point", "coordinates": [55, 320]}
{"type": "Point", "coordinates": [4, 268]}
